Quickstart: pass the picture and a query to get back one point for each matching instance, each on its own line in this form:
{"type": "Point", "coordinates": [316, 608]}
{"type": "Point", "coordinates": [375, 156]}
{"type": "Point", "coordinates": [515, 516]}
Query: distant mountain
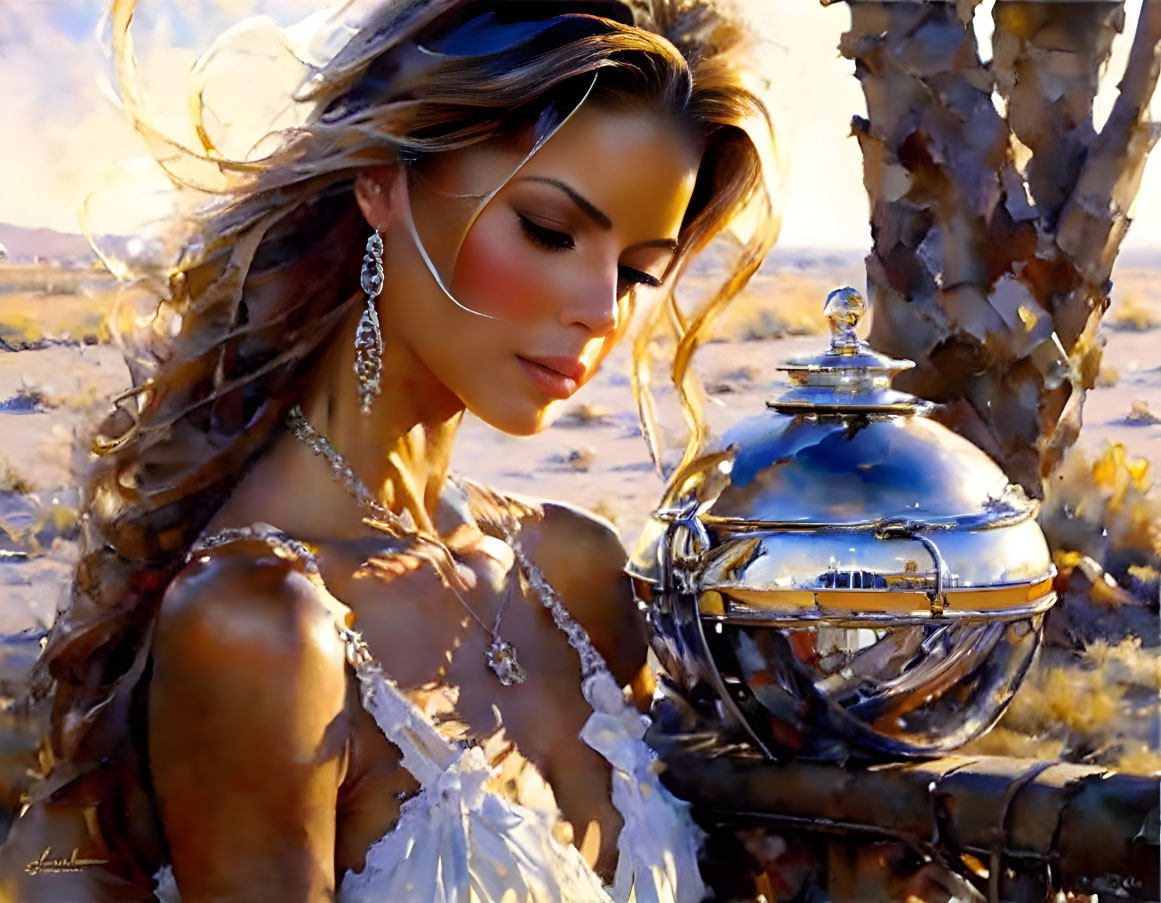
{"type": "Point", "coordinates": [25, 244]}
{"type": "Point", "coordinates": [722, 250]}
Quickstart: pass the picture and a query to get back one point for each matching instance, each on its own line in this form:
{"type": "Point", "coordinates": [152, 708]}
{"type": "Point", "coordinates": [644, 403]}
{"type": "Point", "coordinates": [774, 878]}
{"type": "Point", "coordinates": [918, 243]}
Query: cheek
{"type": "Point", "coordinates": [495, 276]}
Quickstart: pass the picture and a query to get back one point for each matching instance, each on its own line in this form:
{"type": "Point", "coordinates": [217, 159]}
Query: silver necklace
{"type": "Point", "coordinates": [500, 654]}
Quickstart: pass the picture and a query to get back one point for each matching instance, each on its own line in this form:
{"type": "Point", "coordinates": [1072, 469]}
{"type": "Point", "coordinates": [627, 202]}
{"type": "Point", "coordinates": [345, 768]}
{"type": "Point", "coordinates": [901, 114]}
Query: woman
{"type": "Point", "coordinates": [460, 221]}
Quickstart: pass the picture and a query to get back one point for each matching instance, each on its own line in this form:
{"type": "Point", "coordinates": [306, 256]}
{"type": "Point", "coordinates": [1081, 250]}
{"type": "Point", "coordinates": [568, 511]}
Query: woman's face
{"type": "Point", "coordinates": [553, 257]}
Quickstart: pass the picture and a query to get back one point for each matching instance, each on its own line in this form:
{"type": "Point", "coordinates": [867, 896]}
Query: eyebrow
{"type": "Point", "coordinates": [596, 214]}
{"type": "Point", "coordinates": [587, 207]}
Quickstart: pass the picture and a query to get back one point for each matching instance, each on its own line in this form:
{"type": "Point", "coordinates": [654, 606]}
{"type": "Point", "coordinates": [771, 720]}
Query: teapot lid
{"type": "Point", "coordinates": [849, 377]}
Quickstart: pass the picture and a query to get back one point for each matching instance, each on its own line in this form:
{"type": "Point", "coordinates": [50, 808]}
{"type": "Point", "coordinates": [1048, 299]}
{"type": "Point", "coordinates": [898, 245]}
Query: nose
{"type": "Point", "coordinates": [594, 303]}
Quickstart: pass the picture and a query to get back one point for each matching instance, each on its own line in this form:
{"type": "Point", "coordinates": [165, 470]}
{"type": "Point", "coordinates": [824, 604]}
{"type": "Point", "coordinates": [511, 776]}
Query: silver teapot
{"type": "Point", "coordinates": [840, 575]}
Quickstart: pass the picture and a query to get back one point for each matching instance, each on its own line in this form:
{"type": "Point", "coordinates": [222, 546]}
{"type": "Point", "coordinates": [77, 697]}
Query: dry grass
{"type": "Point", "coordinates": [1139, 758]}
{"type": "Point", "coordinates": [1107, 507]}
{"type": "Point", "coordinates": [30, 319]}
{"type": "Point", "coordinates": [581, 458]}
{"type": "Point", "coordinates": [584, 414]}
{"type": "Point", "coordinates": [30, 398]}
{"type": "Point", "coordinates": [1092, 707]}
{"type": "Point", "coordinates": [42, 303]}
{"type": "Point", "coordinates": [40, 399]}
{"type": "Point", "coordinates": [1002, 740]}
{"type": "Point", "coordinates": [54, 522]}
{"type": "Point", "coordinates": [1126, 661]}
{"type": "Point", "coordinates": [86, 400]}
{"type": "Point", "coordinates": [1082, 702]}
{"type": "Point", "coordinates": [54, 280]}
{"type": "Point", "coordinates": [1133, 314]}
{"type": "Point", "coordinates": [1140, 414]}
{"type": "Point", "coordinates": [1107, 377]}
{"type": "Point", "coordinates": [745, 374]}
{"type": "Point", "coordinates": [11, 480]}
{"type": "Point", "coordinates": [775, 306]}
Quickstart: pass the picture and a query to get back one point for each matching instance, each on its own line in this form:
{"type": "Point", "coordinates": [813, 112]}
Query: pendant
{"type": "Point", "coordinates": [501, 658]}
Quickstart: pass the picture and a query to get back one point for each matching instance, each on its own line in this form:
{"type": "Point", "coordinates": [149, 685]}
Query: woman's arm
{"type": "Point", "coordinates": [248, 731]}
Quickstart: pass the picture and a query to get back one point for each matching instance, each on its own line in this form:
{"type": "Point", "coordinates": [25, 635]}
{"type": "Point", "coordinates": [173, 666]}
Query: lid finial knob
{"type": "Point", "coordinates": [844, 309]}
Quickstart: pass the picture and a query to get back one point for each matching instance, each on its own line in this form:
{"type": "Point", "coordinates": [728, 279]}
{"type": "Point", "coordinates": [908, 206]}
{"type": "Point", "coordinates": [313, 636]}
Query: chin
{"type": "Point", "coordinates": [516, 420]}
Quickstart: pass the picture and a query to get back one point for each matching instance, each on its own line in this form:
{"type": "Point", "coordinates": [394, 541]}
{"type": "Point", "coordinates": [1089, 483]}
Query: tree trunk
{"type": "Point", "coordinates": [994, 235]}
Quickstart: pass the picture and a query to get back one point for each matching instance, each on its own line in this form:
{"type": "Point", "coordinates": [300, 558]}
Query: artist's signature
{"type": "Point", "coordinates": [44, 863]}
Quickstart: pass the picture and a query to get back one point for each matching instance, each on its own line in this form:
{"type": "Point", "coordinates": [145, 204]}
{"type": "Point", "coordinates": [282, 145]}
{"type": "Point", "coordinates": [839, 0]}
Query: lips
{"type": "Point", "coordinates": [568, 367]}
{"type": "Point", "coordinates": [558, 377]}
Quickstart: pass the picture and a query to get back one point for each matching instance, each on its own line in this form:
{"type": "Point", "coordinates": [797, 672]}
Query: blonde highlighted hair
{"type": "Point", "coordinates": [219, 324]}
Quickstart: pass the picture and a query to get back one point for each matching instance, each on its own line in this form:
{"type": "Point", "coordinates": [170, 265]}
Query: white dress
{"type": "Point", "coordinates": [458, 841]}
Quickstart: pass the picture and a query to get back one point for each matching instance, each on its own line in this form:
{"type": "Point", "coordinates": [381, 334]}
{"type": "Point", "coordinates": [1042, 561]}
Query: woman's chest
{"type": "Point", "coordinates": [433, 644]}
{"type": "Point", "coordinates": [427, 636]}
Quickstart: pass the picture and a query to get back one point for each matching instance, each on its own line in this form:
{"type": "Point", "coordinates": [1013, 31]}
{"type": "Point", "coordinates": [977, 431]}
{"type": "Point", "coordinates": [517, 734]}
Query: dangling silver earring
{"type": "Point", "coordinates": [368, 338]}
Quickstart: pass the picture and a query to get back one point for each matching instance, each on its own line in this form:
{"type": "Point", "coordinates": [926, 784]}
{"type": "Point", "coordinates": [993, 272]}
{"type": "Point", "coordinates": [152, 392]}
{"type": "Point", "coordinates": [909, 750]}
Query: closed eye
{"type": "Point", "coordinates": [630, 276]}
{"type": "Point", "coordinates": [554, 240]}
{"type": "Point", "coordinates": [542, 237]}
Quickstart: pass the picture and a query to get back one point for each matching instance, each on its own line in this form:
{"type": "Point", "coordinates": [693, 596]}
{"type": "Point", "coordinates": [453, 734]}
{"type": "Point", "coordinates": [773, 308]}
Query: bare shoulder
{"type": "Point", "coordinates": [566, 527]}
{"type": "Point", "coordinates": [247, 597]}
{"type": "Point", "coordinates": [582, 556]}
{"type": "Point", "coordinates": [248, 726]}
{"type": "Point", "coordinates": [248, 642]}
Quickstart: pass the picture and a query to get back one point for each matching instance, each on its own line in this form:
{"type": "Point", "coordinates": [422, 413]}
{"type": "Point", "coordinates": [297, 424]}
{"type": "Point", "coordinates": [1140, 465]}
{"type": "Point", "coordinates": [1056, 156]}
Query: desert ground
{"type": "Point", "coordinates": [1097, 699]}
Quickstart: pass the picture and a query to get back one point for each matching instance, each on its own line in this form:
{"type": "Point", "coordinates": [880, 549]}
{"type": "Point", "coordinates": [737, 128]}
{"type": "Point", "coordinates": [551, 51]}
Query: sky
{"type": "Point", "coordinates": [60, 134]}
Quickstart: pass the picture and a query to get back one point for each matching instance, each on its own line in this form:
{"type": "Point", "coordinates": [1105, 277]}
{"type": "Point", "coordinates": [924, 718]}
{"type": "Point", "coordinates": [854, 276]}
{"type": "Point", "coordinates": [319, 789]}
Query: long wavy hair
{"type": "Point", "coordinates": [219, 325]}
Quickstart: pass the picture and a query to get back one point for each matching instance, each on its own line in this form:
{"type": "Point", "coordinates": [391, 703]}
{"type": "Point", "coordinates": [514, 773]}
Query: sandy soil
{"type": "Point", "coordinates": [596, 458]}
{"type": "Point", "coordinates": [593, 457]}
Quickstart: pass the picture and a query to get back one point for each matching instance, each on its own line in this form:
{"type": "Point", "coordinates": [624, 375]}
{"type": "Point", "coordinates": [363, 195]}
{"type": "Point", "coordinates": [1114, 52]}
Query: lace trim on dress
{"type": "Point", "coordinates": [454, 837]}
{"type": "Point", "coordinates": [457, 841]}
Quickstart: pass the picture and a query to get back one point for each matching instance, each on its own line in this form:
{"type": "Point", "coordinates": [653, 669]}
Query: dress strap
{"type": "Point", "coordinates": [591, 661]}
{"type": "Point", "coordinates": [658, 844]}
{"type": "Point", "coordinates": [291, 548]}
{"type": "Point", "coordinates": [501, 515]}
{"type": "Point", "coordinates": [426, 752]}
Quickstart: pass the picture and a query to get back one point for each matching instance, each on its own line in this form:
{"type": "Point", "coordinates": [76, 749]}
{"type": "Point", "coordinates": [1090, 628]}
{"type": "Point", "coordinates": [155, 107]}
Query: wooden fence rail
{"type": "Point", "coordinates": [1020, 829]}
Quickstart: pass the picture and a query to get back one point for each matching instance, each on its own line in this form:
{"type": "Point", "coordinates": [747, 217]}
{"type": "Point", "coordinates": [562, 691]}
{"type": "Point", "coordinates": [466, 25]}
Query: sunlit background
{"type": "Point", "coordinates": [61, 132]}
{"type": "Point", "coordinates": [62, 135]}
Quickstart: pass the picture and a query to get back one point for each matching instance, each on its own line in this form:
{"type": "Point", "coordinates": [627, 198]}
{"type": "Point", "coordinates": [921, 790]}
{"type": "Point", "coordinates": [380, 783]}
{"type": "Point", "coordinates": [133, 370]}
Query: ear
{"type": "Point", "coordinates": [374, 192]}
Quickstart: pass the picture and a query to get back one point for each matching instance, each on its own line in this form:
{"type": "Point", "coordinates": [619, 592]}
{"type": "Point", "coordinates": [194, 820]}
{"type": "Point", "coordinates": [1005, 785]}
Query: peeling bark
{"type": "Point", "coordinates": [994, 235]}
